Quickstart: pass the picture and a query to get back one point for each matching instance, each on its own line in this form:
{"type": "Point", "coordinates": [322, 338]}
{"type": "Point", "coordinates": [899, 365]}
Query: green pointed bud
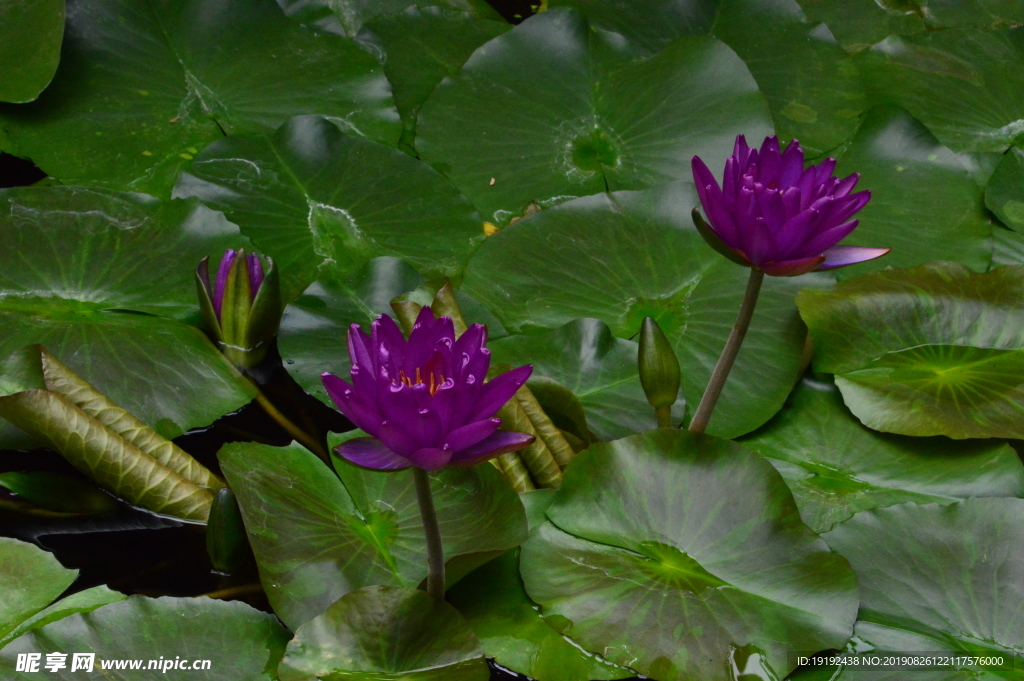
{"type": "Point", "coordinates": [242, 307]}
{"type": "Point", "coordinates": [406, 311]}
{"type": "Point", "coordinates": [225, 533]}
{"type": "Point", "coordinates": [659, 370]}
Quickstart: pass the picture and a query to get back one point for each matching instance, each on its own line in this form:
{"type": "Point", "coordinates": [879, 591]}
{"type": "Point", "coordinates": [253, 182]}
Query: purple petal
{"type": "Point", "coordinates": [841, 256]}
{"type": "Point", "coordinates": [501, 442]}
{"type": "Point", "coordinates": [497, 392]}
{"type": "Point", "coordinates": [397, 439]}
{"type": "Point", "coordinates": [470, 434]}
{"type": "Point", "coordinates": [821, 242]}
{"type": "Point", "coordinates": [370, 453]}
{"type": "Point", "coordinates": [792, 165]}
{"type": "Point", "coordinates": [222, 278]}
{"type": "Point", "coordinates": [845, 186]}
{"type": "Point", "coordinates": [792, 268]}
{"type": "Point", "coordinates": [364, 416]}
{"type": "Point", "coordinates": [255, 273]}
{"type": "Point", "coordinates": [430, 458]}
{"type": "Point", "coordinates": [702, 178]}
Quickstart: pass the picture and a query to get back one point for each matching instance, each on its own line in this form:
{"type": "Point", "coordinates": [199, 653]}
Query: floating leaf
{"type": "Point", "coordinates": [346, 17]}
{"type": "Point", "coordinates": [1007, 247]}
{"type": "Point", "coordinates": [924, 203]}
{"type": "Point", "coordinates": [58, 493]}
{"type": "Point", "coordinates": [512, 631]}
{"type": "Point", "coordinates": [385, 632]}
{"type": "Point", "coordinates": [637, 255]}
{"type": "Point", "coordinates": [599, 369]}
{"type": "Point", "coordinates": [836, 467]}
{"type": "Point", "coordinates": [30, 52]}
{"type": "Point", "coordinates": [859, 24]}
{"type": "Point", "coordinates": [317, 538]}
{"type": "Point", "coordinates": [82, 601]}
{"type": "Point", "coordinates": [143, 87]}
{"type": "Point", "coordinates": [932, 75]}
{"type": "Point", "coordinates": [682, 585]}
{"type": "Point", "coordinates": [1004, 195]}
{"type": "Point", "coordinates": [321, 202]}
{"type": "Point", "coordinates": [930, 350]}
{"type": "Point", "coordinates": [587, 116]}
{"type": "Point", "coordinates": [30, 579]}
{"type": "Point", "coordinates": [238, 641]}
{"type": "Point", "coordinates": [951, 583]}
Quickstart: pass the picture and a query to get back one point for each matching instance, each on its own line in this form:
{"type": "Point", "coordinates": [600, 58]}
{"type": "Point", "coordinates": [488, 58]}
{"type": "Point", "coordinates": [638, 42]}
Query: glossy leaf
{"type": "Point", "coordinates": [637, 255]}
{"type": "Point", "coordinates": [420, 47]}
{"type": "Point", "coordinates": [30, 51]}
{"type": "Point", "coordinates": [239, 642]}
{"type": "Point", "coordinates": [58, 493]}
{"type": "Point", "coordinates": [836, 467]}
{"type": "Point", "coordinates": [385, 632]}
{"type": "Point", "coordinates": [587, 116]}
{"type": "Point", "coordinates": [681, 585]}
{"type": "Point", "coordinates": [924, 204]}
{"type": "Point", "coordinates": [652, 24]}
{"type": "Point", "coordinates": [953, 582]}
{"type": "Point", "coordinates": [1004, 195]}
{"type": "Point", "coordinates": [317, 538]}
{"type": "Point", "coordinates": [512, 631]}
{"type": "Point", "coordinates": [1007, 247]}
{"type": "Point", "coordinates": [859, 24]}
{"type": "Point", "coordinates": [142, 88]}
{"type": "Point", "coordinates": [939, 355]}
{"type": "Point", "coordinates": [30, 579]}
{"type": "Point", "coordinates": [598, 368]}
{"type": "Point", "coordinates": [347, 17]}
{"type": "Point", "coordinates": [934, 74]}
{"type": "Point", "coordinates": [82, 601]}
{"type": "Point", "coordinates": [104, 456]}
{"type": "Point", "coordinates": [322, 202]}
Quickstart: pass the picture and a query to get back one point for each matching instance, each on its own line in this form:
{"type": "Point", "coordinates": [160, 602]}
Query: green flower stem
{"type": "Point", "coordinates": [664, 416]}
{"type": "Point", "coordinates": [301, 436]}
{"type": "Point", "coordinates": [435, 551]}
{"type": "Point", "coordinates": [732, 348]}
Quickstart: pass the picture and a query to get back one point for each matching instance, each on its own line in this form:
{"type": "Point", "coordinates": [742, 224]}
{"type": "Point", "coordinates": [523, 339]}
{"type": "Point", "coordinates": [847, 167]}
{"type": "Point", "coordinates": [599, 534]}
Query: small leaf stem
{"type": "Point", "coordinates": [435, 551]}
{"type": "Point", "coordinates": [301, 436]}
{"type": "Point", "coordinates": [729, 353]}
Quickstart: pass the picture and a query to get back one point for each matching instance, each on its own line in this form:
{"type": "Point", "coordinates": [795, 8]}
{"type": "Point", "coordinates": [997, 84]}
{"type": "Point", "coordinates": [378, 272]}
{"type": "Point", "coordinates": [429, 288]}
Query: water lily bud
{"type": "Point", "coordinates": [659, 368]}
{"type": "Point", "coordinates": [242, 307]}
{"type": "Point", "coordinates": [225, 533]}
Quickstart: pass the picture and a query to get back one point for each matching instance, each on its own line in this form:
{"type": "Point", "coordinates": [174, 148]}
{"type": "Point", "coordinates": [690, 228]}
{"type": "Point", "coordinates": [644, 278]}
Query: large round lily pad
{"type": "Point", "coordinates": [30, 580]}
{"type": "Point", "coordinates": [598, 368]}
{"type": "Point", "coordinates": [836, 467]}
{"type": "Point", "coordinates": [83, 264]}
{"type": "Point", "coordinates": [316, 537]}
{"type": "Point", "coordinates": [953, 582]}
{"type": "Point", "coordinates": [229, 640]}
{"type": "Point", "coordinates": [1004, 194]}
{"type": "Point", "coordinates": [30, 51]}
{"type": "Point", "coordinates": [323, 202]}
{"type": "Point", "coordinates": [385, 632]}
{"type": "Point", "coordinates": [347, 17]}
{"type": "Point", "coordinates": [555, 109]}
{"type": "Point", "coordinates": [931, 350]}
{"type": "Point", "coordinates": [680, 555]}
{"type": "Point", "coordinates": [142, 87]}
{"type": "Point", "coordinates": [624, 256]}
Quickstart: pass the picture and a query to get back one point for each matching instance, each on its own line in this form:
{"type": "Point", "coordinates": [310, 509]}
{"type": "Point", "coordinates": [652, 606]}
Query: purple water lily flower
{"type": "Point", "coordinates": [424, 400]}
{"type": "Point", "coordinates": [772, 214]}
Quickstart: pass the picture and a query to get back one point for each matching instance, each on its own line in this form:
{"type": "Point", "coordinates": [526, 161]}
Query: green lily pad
{"type": "Point", "coordinates": [382, 633]}
{"type": "Point", "coordinates": [1007, 247]}
{"type": "Point", "coordinates": [931, 350]}
{"type": "Point", "coordinates": [30, 580]}
{"type": "Point", "coordinates": [421, 46]}
{"type": "Point", "coordinates": [142, 88]}
{"type": "Point", "coordinates": [317, 538]}
{"type": "Point", "coordinates": [586, 116]}
{"type": "Point", "coordinates": [932, 76]}
{"type": "Point", "coordinates": [598, 368]}
{"type": "Point", "coordinates": [30, 52]}
{"type": "Point", "coordinates": [836, 467]}
{"type": "Point", "coordinates": [682, 555]}
{"type": "Point", "coordinates": [324, 203]}
{"type": "Point", "coordinates": [82, 601]}
{"type": "Point", "coordinates": [347, 17]}
{"type": "Point", "coordinates": [58, 493]}
{"type": "Point", "coordinates": [637, 254]}
{"type": "Point", "coordinates": [235, 640]}
{"type": "Point", "coordinates": [951, 583]}
{"type": "Point", "coordinates": [924, 203]}
{"type": "Point", "coordinates": [512, 631]}
{"type": "Point", "coordinates": [859, 24]}
{"type": "Point", "coordinates": [1004, 195]}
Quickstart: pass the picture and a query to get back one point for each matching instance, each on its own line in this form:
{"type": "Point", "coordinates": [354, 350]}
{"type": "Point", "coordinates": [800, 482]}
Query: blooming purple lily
{"type": "Point", "coordinates": [424, 400]}
{"type": "Point", "coordinates": [774, 215]}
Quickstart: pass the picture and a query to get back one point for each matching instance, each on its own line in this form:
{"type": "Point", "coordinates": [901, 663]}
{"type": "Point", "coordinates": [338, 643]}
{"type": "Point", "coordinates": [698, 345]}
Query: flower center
{"type": "Point", "coordinates": [436, 380]}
